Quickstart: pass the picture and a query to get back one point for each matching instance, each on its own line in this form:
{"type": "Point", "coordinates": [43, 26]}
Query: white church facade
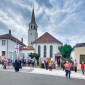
{"type": "Point", "coordinates": [46, 45]}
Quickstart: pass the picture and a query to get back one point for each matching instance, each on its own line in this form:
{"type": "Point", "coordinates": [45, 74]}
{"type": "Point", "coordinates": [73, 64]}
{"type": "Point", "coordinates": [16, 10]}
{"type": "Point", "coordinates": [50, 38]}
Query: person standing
{"type": "Point", "coordinates": [33, 61]}
{"type": "Point", "coordinates": [5, 62]}
{"type": "Point", "coordinates": [28, 61]}
{"type": "Point", "coordinates": [82, 67]}
{"type": "Point", "coordinates": [46, 64]}
{"type": "Point", "coordinates": [58, 62]}
{"type": "Point", "coordinates": [62, 64]}
{"type": "Point", "coordinates": [20, 66]}
{"type": "Point", "coordinates": [55, 63]}
{"type": "Point", "coordinates": [75, 65]}
{"type": "Point", "coordinates": [67, 66]}
{"type": "Point", "coordinates": [17, 65]}
{"type": "Point", "coordinates": [42, 63]}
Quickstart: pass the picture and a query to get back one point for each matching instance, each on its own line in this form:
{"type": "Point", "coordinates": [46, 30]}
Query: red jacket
{"type": "Point", "coordinates": [82, 66]}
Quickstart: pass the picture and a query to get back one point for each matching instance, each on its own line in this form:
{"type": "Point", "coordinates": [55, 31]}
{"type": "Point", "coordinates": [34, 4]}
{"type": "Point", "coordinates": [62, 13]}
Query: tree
{"type": "Point", "coordinates": [65, 50]}
{"type": "Point", "coordinates": [32, 55]}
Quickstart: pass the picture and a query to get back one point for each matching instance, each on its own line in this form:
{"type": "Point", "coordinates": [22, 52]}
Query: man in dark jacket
{"type": "Point", "coordinates": [17, 65]}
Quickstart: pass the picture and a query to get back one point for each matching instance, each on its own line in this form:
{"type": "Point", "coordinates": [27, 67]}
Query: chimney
{"type": "Point", "coordinates": [10, 32]}
{"type": "Point", "coordinates": [22, 41]}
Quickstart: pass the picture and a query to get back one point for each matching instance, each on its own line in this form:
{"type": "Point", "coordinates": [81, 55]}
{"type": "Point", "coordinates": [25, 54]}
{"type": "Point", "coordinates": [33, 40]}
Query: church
{"type": "Point", "coordinates": [46, 45]}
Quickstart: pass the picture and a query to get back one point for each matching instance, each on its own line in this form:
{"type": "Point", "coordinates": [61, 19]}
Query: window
{"type": "Point", "coordinates": [44, 51]}
{"type": "Point", "coordinates": [31, 33]}
{"type": "Point", "coordinates": [51, 51]}
{"type": "Point", "coordinates": [82, 59]}
{"type": "Point", "coordinates": [34, 27]}
{"type": "Point", "coordinates": [3, 53]}
{"type": "Point", "coordinates": [31, 26]}
{"type": "Point", "coordinates": [3, 42]}
{"type": "Point", "coordinates": [39, 49]}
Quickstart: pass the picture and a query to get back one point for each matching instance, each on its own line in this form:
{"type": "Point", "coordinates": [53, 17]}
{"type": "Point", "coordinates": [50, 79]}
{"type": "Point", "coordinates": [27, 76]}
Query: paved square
{"type": "Point", "coordinates": [19, 78]}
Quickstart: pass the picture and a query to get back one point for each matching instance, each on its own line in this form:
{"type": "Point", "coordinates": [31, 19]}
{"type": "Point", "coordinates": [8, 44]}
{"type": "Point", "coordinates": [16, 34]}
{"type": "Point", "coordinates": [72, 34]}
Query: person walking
{"type": "Point", "coordinates": [75, 65]}
{"type": "Point", "coordinates": [67, 66]}
{"type": "Point", "coordinates": [17, 65]}
{"type": "Point", "coordinates": [82, 67]}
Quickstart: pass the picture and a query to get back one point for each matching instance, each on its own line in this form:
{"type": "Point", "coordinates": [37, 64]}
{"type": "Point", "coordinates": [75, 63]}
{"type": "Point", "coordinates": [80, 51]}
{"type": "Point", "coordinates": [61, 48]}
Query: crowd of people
{"type": "Point", "coordinates": [43, 63]}
{"type": "Point", "coordinates": [18, 63]}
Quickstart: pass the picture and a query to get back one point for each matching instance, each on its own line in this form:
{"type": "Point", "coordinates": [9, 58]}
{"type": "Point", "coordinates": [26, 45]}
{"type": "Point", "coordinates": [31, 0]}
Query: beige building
{"type": "Point", "coordinates": [79, 53]}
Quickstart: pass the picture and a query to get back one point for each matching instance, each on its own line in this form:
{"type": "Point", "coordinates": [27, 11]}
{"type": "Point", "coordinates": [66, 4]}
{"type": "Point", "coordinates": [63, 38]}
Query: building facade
{"type": "Point", "coordinates": [47, 46]}
{"type": "Point", "coordinates": [7, 45]}
{"type": "Point", "coordinates": [79, 53]}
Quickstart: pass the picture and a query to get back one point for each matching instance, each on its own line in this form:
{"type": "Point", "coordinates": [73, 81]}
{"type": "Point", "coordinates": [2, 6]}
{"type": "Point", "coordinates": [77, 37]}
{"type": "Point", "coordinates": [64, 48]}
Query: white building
{"type": "Point", "coordinates": [7, 45]}
{"type": "Point", "coordinates": [25, 51]}
{"type": "Point", "coordinates": [46, 45]}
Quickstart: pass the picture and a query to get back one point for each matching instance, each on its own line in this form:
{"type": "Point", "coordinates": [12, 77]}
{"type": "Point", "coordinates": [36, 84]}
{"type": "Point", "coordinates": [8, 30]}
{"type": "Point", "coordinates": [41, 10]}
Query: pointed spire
{"type": "Point", "coordinates": [33, 16]}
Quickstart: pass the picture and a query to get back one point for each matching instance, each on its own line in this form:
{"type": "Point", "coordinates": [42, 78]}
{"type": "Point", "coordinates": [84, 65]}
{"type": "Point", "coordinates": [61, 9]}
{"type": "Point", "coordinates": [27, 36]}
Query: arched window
{"type": "Point", "coordinates": [31, 26]}
{"type": "Point", "coordinates": [45, 51]}
{"type": "Point", "coordinates": [39, 49]}
{"type": "Point", "coordinates": [51, 51]}
{"type": "Point", "coordinates": [34, 27]}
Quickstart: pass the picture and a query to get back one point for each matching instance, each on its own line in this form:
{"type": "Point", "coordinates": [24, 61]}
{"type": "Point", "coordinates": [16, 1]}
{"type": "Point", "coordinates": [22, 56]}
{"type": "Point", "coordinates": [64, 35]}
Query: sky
{"type": "Point", "coordinates": [64, 19]}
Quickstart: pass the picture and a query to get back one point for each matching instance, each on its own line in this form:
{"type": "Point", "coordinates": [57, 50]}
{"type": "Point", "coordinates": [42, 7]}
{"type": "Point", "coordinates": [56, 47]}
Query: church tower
{"type": "Point", "coordinates": [32, 32]}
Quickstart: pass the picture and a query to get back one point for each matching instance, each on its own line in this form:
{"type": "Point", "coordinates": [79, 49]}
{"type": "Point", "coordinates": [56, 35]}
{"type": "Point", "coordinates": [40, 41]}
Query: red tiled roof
{"type": "Point", "coordinates": [46, 37]}
{"type": "Point", "coordinates": [27, 48]}
{"type": "Point", "coordinates": [9, 36]}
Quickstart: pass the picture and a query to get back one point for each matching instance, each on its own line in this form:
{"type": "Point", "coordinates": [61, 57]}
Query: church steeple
{"type": "Point", "coordinates": [32, 32]}
{"type": "Point", "coordinates": [33, 16]}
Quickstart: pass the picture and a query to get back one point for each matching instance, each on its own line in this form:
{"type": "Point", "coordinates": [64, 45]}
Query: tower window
{"type": "Point", "coordinates": [31, 33]}
{"type": "Point", "coordinates": [34, 27]}
{"type": "Point", "coordinates": [31, 26]}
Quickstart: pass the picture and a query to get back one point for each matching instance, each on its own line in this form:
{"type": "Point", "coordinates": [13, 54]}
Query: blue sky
{"type": "Point", "coordinates": [64, 19]}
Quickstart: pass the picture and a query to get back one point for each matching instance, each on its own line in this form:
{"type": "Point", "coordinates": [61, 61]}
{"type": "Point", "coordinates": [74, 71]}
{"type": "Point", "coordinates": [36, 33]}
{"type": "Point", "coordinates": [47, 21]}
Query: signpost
{"type": "Point", "coordinates": [17, 49]}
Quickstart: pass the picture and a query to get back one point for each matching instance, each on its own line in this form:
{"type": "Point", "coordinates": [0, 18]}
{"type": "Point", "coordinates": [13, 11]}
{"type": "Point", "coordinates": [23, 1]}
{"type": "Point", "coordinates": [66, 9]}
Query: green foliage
{"type": "Point", "coordinates": [32, 55]}
{"type": "Point", "coordinates": [67, 59]}
{"type": "Point", "coordinates": [72, 68]}
{"type": "Point", "coordinates": [65, 50]}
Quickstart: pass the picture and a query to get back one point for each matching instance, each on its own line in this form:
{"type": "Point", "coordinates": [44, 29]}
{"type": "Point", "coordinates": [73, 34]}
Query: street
{"type": "Point", "coordinates": [18, 78]}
